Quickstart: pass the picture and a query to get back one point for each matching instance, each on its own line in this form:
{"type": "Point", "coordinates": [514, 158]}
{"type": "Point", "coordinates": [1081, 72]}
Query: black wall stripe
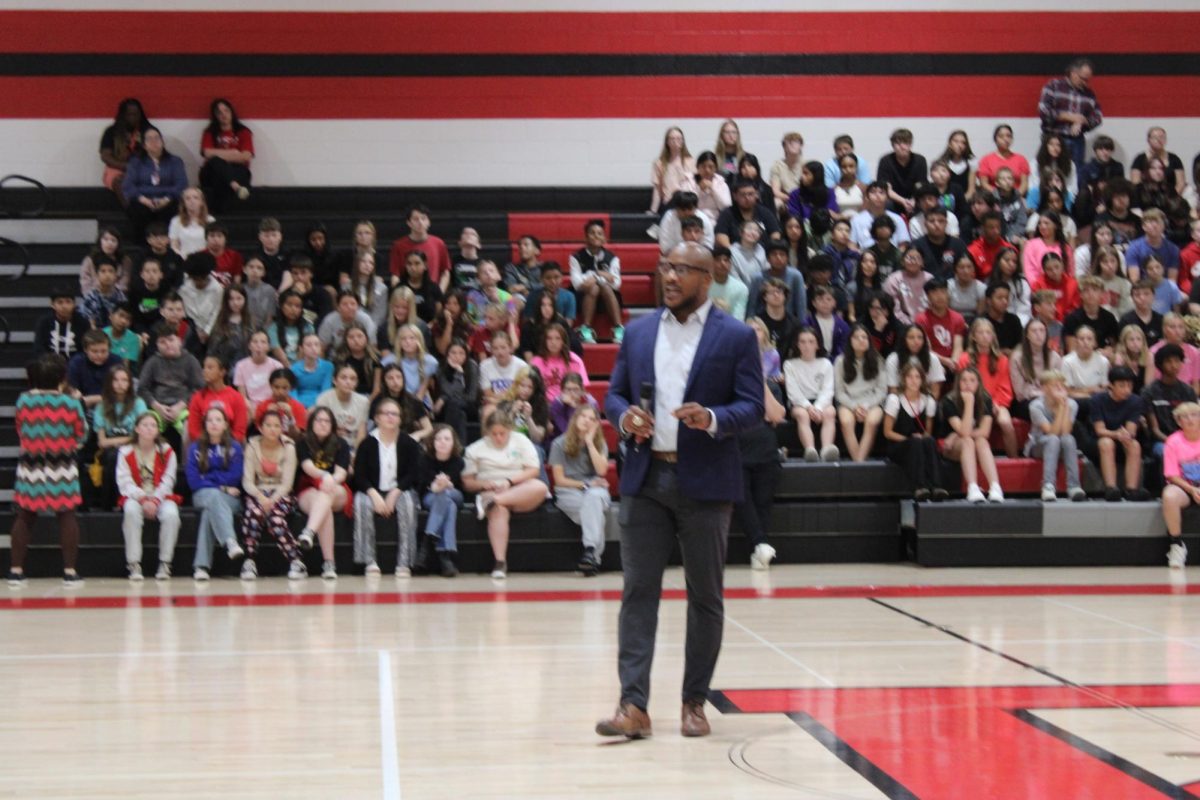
{"type": "Point", "coordinates": [572, 65]}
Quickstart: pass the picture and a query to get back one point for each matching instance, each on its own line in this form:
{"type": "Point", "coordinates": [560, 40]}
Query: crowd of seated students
{"type": "Point", "coordinates": [944, 300]}
{"type": "Point", "coordinates": [912, 317]}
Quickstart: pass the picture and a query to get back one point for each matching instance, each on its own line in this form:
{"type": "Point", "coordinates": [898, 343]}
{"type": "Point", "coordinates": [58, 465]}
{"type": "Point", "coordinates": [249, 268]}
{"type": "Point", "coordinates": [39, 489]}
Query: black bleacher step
{"type": "Point", "coordinates": [1028, 533]}
{"type": "Point", "coordinates": [84, 201]}
{"type": "Point", "coordinates": [543, 540]}
{"type": "Point", "coordinates": [872, 478]}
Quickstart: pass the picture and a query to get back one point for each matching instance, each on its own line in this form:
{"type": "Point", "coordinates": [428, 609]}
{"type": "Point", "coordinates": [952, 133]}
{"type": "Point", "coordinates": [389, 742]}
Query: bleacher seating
{"type": "Point", "coordinates": [824, 512]}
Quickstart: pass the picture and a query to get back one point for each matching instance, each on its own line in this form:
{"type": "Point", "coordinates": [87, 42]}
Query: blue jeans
{"type": "Point", "coordinates": [443, 518]}
{"type": "Point", "coordinates": [1077, 147]}
{"type": "Point", "coordinates": [217, 510]}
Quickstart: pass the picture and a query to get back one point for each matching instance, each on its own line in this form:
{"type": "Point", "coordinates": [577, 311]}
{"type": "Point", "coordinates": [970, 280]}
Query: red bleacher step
{"type": "Point", "coordinates": [1023, 476]}
{"type": "Point", "coordinates": [552, 227]}
{"type": "Point", "coordinates": [599, 359]}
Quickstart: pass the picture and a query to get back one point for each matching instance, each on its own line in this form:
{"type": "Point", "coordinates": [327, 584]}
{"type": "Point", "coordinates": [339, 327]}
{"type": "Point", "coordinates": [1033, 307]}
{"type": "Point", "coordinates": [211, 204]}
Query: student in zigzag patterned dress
{"type": "Point", "coordinates": [51, 427]}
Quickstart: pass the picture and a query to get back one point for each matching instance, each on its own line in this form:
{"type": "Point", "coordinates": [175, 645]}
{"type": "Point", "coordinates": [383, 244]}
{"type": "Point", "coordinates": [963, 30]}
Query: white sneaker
{"type": "Point", "coordinates": [306, 540]}
{"type": "Point", "coordinates": [164, 572]}
{"type": "Point", "coordinates": [329, 571]}
{"type": "Point", "coordinates": [1177, 555]}
{"type": "Point", "coordinates": [995, 493]}
{"type": "Point", "coordinates": [500, 570]}
{"type": "Point", "coordinates": [830, 453]}
{"type": "Point", "coordinates": [297, 571]}
{"type": "Point", "coordinates": [480, 508]}
{"type": "Point", "coordinates": [249, 570]}
{"type": "Point", "coordinates": [403, 572]}
{"type": "Point", "coordinates": [1048, 493]}
{"type": "Point", "coordinates": [1077, 494]}
{"type": "Point", "coordinates": [234, 550]}
{"type": "Point", "coordinates": [200, 574]}
{"type": "Point", "coordinates": [372, 569]}
{"type": "Point", "coordinates": [762, 556]}
{"type": "Point", "coordinates": [975, 494]}
{"type": "Point", "coordinates": [135, 572]}
{"type": "Point", "coordinates": [811, 454]}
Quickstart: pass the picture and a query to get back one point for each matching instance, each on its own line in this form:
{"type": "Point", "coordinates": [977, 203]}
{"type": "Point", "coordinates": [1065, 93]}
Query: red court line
{"type": "Point", "coordinates": [82, 97]}
{"type": "Point", "coordinates": [596, 32]}
{"type": "Point", "coordinates": [19, 603]}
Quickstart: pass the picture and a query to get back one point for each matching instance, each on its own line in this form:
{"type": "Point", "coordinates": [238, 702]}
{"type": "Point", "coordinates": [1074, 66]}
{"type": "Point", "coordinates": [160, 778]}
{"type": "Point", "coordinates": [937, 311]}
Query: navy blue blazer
{"type": "Point", "coordinates": [726, 376]}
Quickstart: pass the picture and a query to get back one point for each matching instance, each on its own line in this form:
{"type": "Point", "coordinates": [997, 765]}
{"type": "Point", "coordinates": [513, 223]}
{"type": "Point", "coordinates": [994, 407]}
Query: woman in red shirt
{"type": "Point", "coordinates": [227, 148]}
{"type": "Point", "coordinates": [984, 355]}
{"type": "Point", "coordinates": [217, 393]}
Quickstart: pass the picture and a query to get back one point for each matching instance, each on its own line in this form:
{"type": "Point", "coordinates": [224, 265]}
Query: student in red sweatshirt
{"type": "Point", "coordinates": [217, 394]}
{"type": "Point", "coordinates": [1056, 279]}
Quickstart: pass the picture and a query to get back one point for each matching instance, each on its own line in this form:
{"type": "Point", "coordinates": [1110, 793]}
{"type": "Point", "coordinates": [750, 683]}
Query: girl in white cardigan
{"type": "Point", "coordinates": [146, 470]}
{"type": "Point", "coordinates": [809, 381]}
{"type": "Point", "coordinates": [860, 388]}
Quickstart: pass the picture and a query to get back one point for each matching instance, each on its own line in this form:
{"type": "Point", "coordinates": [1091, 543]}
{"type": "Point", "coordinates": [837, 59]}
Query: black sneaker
{"type": "Point", "coordinates": [72, 579]}
{"type": "Point", "coordinates": [424, 556]}
{"type": "Point", "coordinates": [1112, 494]}
{"type": "Point", "coordinates": [587, 560]}
{"type": "Point", "coordinates": [921, 495]}
{"type": "Point", "coordinates": [1137, 495]}
{"type": "Point", "coordinates": [15, 578]}
{"type": "Point", "coordinates": [449, 569]}
{"type": "Point", "coordinates": [940, 494]}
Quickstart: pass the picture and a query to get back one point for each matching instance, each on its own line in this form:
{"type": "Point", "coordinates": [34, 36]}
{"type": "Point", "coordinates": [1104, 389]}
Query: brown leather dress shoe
{"type": "Point", "coordinates": [694, 723]}
{"type": "Point", "coordinates": [628, 721]}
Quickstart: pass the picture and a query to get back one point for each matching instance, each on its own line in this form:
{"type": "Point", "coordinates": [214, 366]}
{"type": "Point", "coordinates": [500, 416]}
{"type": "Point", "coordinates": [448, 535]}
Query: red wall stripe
{"type": "Point", "coordinates": [551, 98]}
{"type": "Point", "coordinates": [565, 32]}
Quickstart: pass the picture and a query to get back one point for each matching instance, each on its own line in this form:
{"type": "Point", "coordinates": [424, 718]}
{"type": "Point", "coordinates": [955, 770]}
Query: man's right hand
{"type": "Point", "coordinates": [638, 424]}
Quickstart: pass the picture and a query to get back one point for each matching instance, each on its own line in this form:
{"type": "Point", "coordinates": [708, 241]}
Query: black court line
{"type": "Point", "coordinates": [583, 64]}
{"type": "Point", "coordinates": [851, 757]}
{"type": "Point", "coordinates": [870, 771]}
{"type": "Point", "coordinates": [1134, 771]}
{"type": "Point", "coordinates": [1156, 783]}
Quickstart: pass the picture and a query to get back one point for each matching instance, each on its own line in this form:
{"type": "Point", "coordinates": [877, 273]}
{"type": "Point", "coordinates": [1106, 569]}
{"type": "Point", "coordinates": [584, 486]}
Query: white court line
{"type": "Point", "coordinates": [1161, 636]}
{"type": "Point", "coordinates": [387, 729]}
{"type": "Point", "coordinates": [786, 655]}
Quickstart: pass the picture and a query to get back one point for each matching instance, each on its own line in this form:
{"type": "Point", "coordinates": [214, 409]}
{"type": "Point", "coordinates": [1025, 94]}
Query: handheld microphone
{"type": "Point", "coordinates": [646, 398]}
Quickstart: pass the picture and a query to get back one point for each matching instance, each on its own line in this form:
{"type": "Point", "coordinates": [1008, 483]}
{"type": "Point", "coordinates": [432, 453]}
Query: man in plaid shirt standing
{"type": "Point", "coordinates": [1069, 108]}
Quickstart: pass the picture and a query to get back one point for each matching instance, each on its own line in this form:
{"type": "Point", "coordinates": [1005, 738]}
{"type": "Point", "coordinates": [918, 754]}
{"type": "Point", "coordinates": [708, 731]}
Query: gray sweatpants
{"type": "Point", "coordinates": [586, 507]}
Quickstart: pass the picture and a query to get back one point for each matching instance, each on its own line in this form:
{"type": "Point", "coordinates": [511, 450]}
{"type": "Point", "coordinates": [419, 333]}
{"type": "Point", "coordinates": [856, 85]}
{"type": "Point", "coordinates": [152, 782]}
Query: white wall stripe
{"type": "Point", "coordinates": [509, 152]}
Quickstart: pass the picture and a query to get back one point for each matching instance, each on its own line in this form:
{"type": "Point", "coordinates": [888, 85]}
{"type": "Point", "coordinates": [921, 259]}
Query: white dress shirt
{"type": "Point", "coordinates": [387, 464]}
{"type": "Point", "coordinates": [674, 351]}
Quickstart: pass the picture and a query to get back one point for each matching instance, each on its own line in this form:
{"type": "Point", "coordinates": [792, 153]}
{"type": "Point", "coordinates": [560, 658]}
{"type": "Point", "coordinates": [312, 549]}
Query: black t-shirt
{"type": "Point", "coordinates": [730, 221]}
{"type": "Point", "coordinates": [948, 409]}
{"type": "Point", "coordinates": [465, 273]}
{"type": "Point", "coordinates": [1160, 399]}
{"type": "Point", "coordinates": [366, 375]}
{"type": "Point", "coordinates": [1114, 414]}
{"type": "Point", "coordinates": [317, 304]}
{"type": "Point", "coordinates": [273, 266]}
{"type": "Point", "coordinates": [903, 178]}
{"type": "Point", "coordinates": [1008, 331]}
{"type": "Point", "coordinates": [1125, 229]}
{"type": "Point", "coordinates": [1107, 329]}
{"type": "Point", "coordinates": [430, 467]}
{"type": "Point", "coordinates": [1174, 164]}
{"type": "Point", "coordinates": [429, 296]}
{"type": "Point", "coordinates": [171, 263]}
{"type": "Point", "coordinates": [1152, 329]}
{"type": "Point", "coordinates": [781, 331]}
{"type": "Point", "coordinates": [941, 258]}
{"type": "Point", "coordinates": [341, 458]}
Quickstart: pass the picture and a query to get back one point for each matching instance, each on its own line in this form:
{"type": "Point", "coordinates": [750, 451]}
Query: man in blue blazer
{"type": "Point", "coordinates": [698, 373]}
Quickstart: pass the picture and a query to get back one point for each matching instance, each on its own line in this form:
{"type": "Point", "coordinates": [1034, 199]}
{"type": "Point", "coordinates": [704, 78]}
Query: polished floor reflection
{"type": "Point", "coordinates": [850, 681]}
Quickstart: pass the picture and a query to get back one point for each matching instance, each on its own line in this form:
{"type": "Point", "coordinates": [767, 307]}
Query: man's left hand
{"type": "Point", "coordinates": [694, 415]}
